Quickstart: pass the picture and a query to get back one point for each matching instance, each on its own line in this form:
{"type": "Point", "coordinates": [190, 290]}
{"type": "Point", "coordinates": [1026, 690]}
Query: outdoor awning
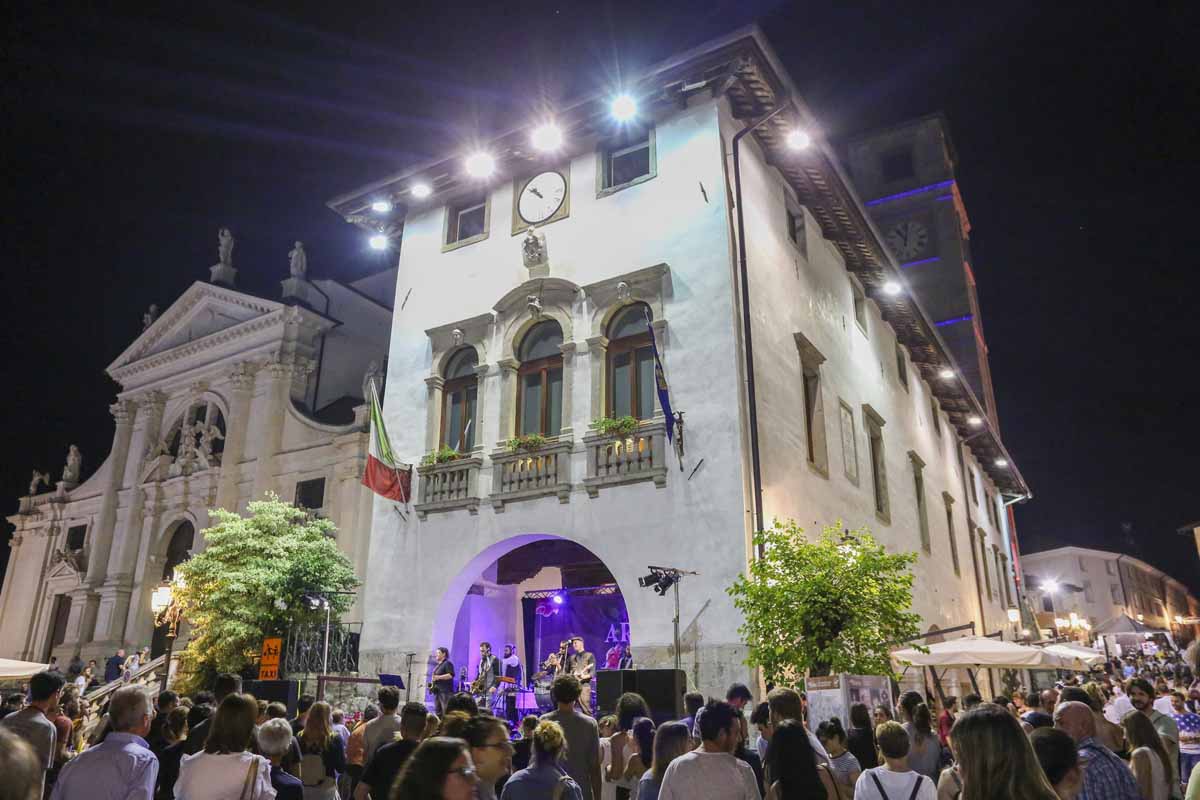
{"type": "Point", "coordinates": [975, 652]}
{"type": "Point", "coordinates": [1087, 655]}
{"type": "Point", "coordinates": [11, 670]}
{"type": "Point", "coordinates": [1124, 624]}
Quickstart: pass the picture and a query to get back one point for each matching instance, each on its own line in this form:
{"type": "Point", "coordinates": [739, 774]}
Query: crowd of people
{"type": "Point", "coordinates": [1112, 738]}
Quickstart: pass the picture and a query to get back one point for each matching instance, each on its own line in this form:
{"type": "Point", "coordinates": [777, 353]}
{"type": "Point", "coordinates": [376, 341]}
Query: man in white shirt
{"type": "Point", "coordinates": [711, 770]}
{"type": "Point", "coordinates": [894, 780]}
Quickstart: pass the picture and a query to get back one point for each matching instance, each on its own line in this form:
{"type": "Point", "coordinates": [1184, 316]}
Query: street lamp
{"type": "Point", "coordinates": [167, 611]}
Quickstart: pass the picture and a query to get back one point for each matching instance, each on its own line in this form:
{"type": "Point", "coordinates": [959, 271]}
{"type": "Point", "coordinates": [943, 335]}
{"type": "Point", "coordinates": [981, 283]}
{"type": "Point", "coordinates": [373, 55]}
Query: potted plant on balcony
{"type": "Point", "coordinates": [616, 426]}
{"type": "Point", "coordinates": [529, 442]}
{"type": "Point", "coordinates": [443, 455]}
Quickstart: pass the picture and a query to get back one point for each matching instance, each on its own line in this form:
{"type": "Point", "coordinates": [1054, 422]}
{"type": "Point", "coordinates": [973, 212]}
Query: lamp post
{"type": "Point", "coordinates": [166, 612]}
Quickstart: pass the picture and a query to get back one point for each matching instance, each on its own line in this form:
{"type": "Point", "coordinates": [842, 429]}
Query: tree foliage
{"type": "Point", "coordinates": [247, 583]}
{"type": "Point", "coordinates": [830, 605]}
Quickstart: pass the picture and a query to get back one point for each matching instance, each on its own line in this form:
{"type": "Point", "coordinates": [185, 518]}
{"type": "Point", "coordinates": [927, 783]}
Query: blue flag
{"type": "Point", "coordinates": [660, 381]}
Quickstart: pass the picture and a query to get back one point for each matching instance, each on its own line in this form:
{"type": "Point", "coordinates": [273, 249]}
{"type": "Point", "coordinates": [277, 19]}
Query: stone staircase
{"type": "Point", "coordinates": [95, 702]}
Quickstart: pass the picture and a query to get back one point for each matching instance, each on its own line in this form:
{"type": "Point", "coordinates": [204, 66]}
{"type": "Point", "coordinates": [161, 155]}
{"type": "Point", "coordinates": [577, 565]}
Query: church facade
{"type": "Point", "coordinates": [542, 282]}
{"type": "Point", "coordinates": [216, 407]}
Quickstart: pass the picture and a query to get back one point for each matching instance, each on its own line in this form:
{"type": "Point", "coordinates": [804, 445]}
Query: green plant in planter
{"type": "Point", "coordinates": [530, 441]}
{"type": "Point", "coordinates": [621, 426]}
{"type": "Point", "coordinates": [442, 455]}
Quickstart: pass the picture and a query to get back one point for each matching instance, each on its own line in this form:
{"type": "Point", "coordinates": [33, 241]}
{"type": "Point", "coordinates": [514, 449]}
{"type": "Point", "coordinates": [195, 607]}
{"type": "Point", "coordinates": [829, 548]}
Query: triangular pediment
{"type": "Point", "coordinates": [203, 311]}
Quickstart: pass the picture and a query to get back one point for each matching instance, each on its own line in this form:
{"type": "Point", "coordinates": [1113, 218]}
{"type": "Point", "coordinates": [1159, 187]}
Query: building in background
{"type": "Point", "coordinates": [223, 397]}
{"type": "Point", "coordinates": [518, 341]}
{"type": "Point", "coordinates": [1080, 585]}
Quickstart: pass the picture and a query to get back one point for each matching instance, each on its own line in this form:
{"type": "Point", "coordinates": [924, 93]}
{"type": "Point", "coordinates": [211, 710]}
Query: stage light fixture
{"type": "Point", "coordinates": [381, 206]}
{"type": "Point", "coordinates": [891, 288]}
{"type": "Point", "coordinates": [974, 420]}
{"type": "Point", "coordinates": [421, 190]}
{"type": "Point", "coordinates": [558, 599]}
{"type": "Point", "coordinates": [624, 108]}
{"type": "Point", "coordinates": [378, 242]}
{"type": "Point", "coordinates": [648, 581]}
{"type": "Point", "coordinates": [547, 137]}
{"type": "Point", "coordinates": [798, 140]}
{"type": "Point", "coordinates": [946, 374]}
{"type": "Point", "coordinates": [480, 164]}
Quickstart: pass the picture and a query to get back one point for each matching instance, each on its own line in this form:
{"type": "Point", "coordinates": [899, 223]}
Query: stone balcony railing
{"type": "Point", "coordinates": [614, 459]}
{"type": "Point", "coordinates": [449, 486]}
{"type": "Point", "coordinates": [524, 474]}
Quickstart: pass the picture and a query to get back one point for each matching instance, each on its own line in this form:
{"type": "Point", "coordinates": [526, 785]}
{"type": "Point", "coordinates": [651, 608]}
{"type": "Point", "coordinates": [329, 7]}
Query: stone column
{"type": "Point", "coordinates": [241, 379]}
{"type": "Point", "coordinates": [281, 372]}
{"type": "Point", "coordinates": [433, 411]}
{"type": "Point", "coordinates": [598, 359]}
{"type": "Point", "coordinates": [103, 533]}
{"type": "Point", "coordinates": [508, 400]}
{"type": "Point", "coordinates": [568, 356]}
{"type": "Point", "coordinates": [482, 380]}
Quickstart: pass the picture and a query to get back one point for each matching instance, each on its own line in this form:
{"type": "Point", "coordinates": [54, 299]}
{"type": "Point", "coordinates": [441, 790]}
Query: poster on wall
{"type": "Point", "coordinates": [832, 696]}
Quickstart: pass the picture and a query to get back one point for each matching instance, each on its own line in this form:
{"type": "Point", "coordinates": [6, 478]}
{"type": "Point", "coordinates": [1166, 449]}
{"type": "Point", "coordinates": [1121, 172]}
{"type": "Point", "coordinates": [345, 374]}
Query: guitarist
{"type": "Point", "coordinates": [582, 665]}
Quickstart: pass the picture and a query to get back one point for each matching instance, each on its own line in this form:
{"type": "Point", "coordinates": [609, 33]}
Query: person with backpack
{"type": "Point", "coordinates": [894, 780]}
{"type": "Point", "coordinates": [322, 754]}
{"type": "Point", "coordinates": [544, 777]}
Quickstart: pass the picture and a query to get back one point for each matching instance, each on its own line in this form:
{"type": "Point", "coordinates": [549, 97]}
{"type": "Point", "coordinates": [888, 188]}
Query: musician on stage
{"type": "Point", "coordinates": [488, 672]}
{"type": "Point", "coordinates": [511, 668]}
{"type": "Point", "coordinates": [441, 682]}
{"type": "Point", "coordinates": [582, 665]}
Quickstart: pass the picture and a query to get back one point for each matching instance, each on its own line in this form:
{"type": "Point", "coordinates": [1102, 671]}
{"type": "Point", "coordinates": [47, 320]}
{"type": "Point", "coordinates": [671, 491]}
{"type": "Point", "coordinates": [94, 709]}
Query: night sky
{"type": "Point", "coordinates": [131, 139]}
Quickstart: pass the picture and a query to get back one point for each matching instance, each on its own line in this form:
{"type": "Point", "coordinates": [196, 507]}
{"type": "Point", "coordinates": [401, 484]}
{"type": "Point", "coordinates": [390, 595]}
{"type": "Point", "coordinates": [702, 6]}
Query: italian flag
{"type": "Point", "coordinates": [384, 475]}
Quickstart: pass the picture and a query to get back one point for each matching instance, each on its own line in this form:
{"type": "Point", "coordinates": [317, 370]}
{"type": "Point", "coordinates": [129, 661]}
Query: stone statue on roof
{"type": "Point", "coordinates": [149, 317]}
{"type": "Point", "coordinates": [225, 247]}
{"type": "Point", "coordinates": [42, 478]}
{"type": "Point", "coordinates": [298, 261]}
{"type": "Point", "coordinates": [74, 465]}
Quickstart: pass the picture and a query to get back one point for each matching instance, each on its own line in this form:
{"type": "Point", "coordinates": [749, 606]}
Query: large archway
{"type": "Point", "coordinates": [179, 549]}
{"type": "Point", "coordinates": [533, 592]}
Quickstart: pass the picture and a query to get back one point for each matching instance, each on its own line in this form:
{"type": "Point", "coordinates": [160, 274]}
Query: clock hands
{"type": "Point", "coordinates": [533, 190]}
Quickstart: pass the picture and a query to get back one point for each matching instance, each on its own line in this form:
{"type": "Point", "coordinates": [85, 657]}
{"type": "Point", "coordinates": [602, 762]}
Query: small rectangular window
{"type": "Point", "coordinates": [1048, 603]}
{"type": "Point", "coordinates": [922, 510]}
{"type": "Point", "coordinates": [949, 501]}
{"type": "Point", "coordinates": [936, 414]}
{"type": "Point", "coordinates": [849, 444]}
{"type": "Point", "coordinates": [860, 306]}
{"type": "Point", "coordinates": [1082, 565]}
{"type": "Point", "coordinates": [901, 367]}
{"type": "Point", "coordinates": [1007, 582]}
{"type": "Point", "coordinates": [628, 160]}
{"type": "Point", "coordinates": [898, 165]}
{"type": "Point", "coordinates": [467, 221]}
{"type": "Point", "coordinates": [75, 537]}
{"type": "Point", "coordinates": [795, 230]}
{"type": "Point", "coordinates": [874, 425]}
{"type": "Point", "coordinates": [974, 491]}
{"type": "Point", "coordinates": [814, 404]}
{"type": "Point", "coordinates": [983, 564]}
{"type": "Point", "coordinates": [1108, 567]}
{"type": "Point", "coordinates": [310, 494]}
{"type": "Point", "coordinates": [1087, 592]}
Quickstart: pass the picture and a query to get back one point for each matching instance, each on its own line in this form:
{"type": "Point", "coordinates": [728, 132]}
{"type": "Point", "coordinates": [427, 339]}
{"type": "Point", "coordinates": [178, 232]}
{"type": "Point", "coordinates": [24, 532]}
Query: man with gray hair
{"type": "Point", "coordinates": [1105, 775]}
{"type": "Point", "coordinates": [275, 741]}
{"type": "Point", "coordinates": [121, 766]}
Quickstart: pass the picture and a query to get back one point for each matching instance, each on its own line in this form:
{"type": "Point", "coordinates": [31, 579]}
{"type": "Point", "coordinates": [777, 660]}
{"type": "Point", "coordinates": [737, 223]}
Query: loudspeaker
{"type": "Point", "coordinates": [663, 690]}
{"type": "Point", "coordinates": [286, 692]}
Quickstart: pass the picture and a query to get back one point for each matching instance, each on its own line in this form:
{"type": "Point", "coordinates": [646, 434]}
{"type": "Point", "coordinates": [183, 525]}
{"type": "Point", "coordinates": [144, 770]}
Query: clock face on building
{"type": "Point", "coordinates": [541, 197]}
{"type": "Point", "coordinates": [908, 240]}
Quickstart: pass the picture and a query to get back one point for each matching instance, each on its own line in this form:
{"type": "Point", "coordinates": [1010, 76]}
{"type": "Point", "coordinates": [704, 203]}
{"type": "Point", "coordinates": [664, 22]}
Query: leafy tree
{"type": "Point", "coordinates": [247, 582]}
{"type": "Point", "coordinates": [830, 605]}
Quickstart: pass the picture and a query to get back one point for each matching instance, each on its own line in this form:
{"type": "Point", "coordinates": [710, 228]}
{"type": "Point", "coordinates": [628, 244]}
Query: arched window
{"type": "Point", "coordinates": [180, 549]}
{"type": "Point", "coordinates": [631, 388]}
{"type": "Point", "coordinates": [459, 393]}
{"type": "Point", "coordinates": [205, 424]}
{"type": "Point", "coordinates": [540, 376]}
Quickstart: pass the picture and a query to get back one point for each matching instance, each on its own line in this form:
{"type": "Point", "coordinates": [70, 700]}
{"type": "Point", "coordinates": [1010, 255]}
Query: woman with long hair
{"type": "Point", "coordinates": [924, 749]}
{"type": "Point", "coordinates": [439, 769]}
{"type": "Point", "coordinates": [642, 736]}
{"type": "Point", "coordinates": [322, 754]}
{"type": "Point", "coordinates": [1149, 760]}
{"type": "Point", "coordinates": [860, 739]}
{"type": "Point", "coordinates": [792, 766]}
{"type": "Point", "coordinates": [545, 777]}
{"type": "Point", "coordinates": [995, 759]}
{"type": "Point", "coordinates": [671, 740]}
{"type": "Point", "coordinates": [170, 751]}
{"type": "Point", "coordinates": [226, 767]}
{"type": "Point", "coordinates": [842, 763]}
{"type": "Point", "coordinates": [630, 706]}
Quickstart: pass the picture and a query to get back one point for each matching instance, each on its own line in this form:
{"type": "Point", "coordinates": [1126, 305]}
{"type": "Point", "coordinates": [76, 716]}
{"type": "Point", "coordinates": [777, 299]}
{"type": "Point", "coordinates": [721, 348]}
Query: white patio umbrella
{"type": "Point", "coordinates": [976, 652]}
{"type": "Point", "coordinates": [11, 670]}
{"type": "Point", "coordinates": [1087, 655]}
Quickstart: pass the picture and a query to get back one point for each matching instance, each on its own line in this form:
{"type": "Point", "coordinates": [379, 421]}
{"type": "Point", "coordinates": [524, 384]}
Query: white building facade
{"type": "Point", "coordinates": [215, 409]}
{"type": "Point", "coordinates": [1097, 585]}
{"type": "Point", "coordinates": [861, 413]}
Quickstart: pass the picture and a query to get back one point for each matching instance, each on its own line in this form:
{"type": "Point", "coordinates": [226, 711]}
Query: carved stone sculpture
{"type": "Point", "coordinates": [225, 247]}
{"type": "Point", "coordinates": [374, 375]}
{"type": "Point", "coordinates": [533, 251]}
{"type": "Point", "coordinates": [149, 317]}
{"type": "Point", "coordinates": [298, 261]}
{"type": "Point", "coordinates": [73, 558]}
{"type": "Point", "coordinates": [208, 436]}
{"type": "Point", "coordinates": [624, 293]}
{"type": "Point", "coordinates": [74, 465]}
{"type": "Point", "coordinates": [185, 462]}
{"type": "Point", "coordinates": [457, 336]}
{"type": "Point", "coordinates": [42, 478]}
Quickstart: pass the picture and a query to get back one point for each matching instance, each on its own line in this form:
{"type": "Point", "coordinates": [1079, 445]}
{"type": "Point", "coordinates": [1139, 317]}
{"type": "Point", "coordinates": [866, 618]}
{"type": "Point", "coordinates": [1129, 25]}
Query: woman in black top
{"type": "Point", "coordinates": [170, 752]}
{"type": "Point", "coordinates": [860, 739]}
